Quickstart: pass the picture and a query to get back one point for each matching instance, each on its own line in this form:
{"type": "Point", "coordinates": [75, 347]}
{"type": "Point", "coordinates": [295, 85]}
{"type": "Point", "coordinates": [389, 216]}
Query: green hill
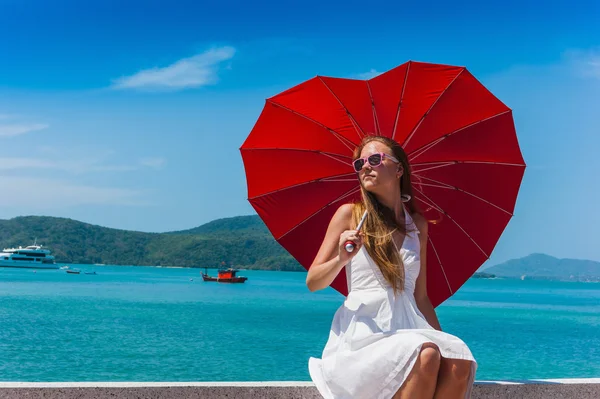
{"type": "Point", "coordinates": [242, 242]}
{"type": "Point", "coordinates": [239, 224]}
{"type": "Point", "coordinates": [541, 266]}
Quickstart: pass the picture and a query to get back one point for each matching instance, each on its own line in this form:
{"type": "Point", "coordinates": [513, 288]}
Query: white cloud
{"type": "Point", "coordinates": [25, 192]}
{"type": "Point", "coordinates": [27, 177]}
{"type": "Point", "coordinates": [367, 75]}
{"type": "Point", "coordinates": [110, 168]}
{"type": "Point", "coordinates": [74, 166]}
{"type": "Point", "coordinates": [18, 129]}
{"type": "Point", "coordinates": [68, 165]}
{"type": "Point", "coordinates": [585, 62]}
{"type": "Point", "coordinates": [156, 162]}
{"type": "Point", "coordinates": [49, 158]}
{"type": "Point", "coordinates": [25, 163]}
{"type": "Point", "coordinates": [196, 71]}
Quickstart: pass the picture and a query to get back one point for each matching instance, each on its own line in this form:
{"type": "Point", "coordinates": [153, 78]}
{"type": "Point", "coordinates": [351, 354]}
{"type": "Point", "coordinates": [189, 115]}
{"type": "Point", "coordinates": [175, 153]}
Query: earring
{"type": "Point", "coordinates": [405, 197]}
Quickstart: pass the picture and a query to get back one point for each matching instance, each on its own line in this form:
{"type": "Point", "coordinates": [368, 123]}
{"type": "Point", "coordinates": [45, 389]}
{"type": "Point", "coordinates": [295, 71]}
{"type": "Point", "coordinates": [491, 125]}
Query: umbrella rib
{"type": "Point", "coordinates": [438, 165]}
{"type": "Point", "coordinates": [410, 136]}
{"type": "Point", "coordinates": [375, 119]}
{"type": "Point", "coordinates": [401, 98]}
{"type": "Point", "coordinates": [330, 155]}
{"type": "Point", "coordinates": [437, 186]}
{"type": "Point", "coordinates": [357, 127]}
{"type": "Point", "coordinates": [338, 136]}
{"type": "Point", "coordinates": [346, 194]}
{"type": "Point", "coordinates": [455, 222]}
{"type": "Point", "coordinates": [325, 179]}
{"type": "Point", "coordinates": [333, 178]}
{"type": "Point", "coordinates": [441, 266]}
{"type": "Point", "coordinates": [426, 147]}
{"type": "Point", "coordinates": [429, 204]}
{"type": "Point", "coordinates": [327, 154]}
{"type": "Point", "coordinates": [450, 187]}
{"type": "Point", "coordinates": [448, 163]}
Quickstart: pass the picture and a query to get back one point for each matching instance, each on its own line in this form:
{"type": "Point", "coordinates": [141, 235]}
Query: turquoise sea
{"type": "Point", "coordinates": [166, 324]}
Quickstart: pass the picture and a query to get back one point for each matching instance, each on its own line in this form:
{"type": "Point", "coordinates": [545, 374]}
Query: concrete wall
{"type": "Point", "coordinates": [546, 389]}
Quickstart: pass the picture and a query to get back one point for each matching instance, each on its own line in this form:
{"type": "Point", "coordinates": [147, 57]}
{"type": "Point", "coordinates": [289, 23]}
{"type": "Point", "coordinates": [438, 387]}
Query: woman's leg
{"type": "Point", "coordinates": [453, 379]}
{"type": "Point", "coordinates": [421, 381]}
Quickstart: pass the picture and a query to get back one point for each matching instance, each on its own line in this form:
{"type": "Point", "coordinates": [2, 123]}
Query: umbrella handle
{"type": "Point", "coordinates": [349, 245]}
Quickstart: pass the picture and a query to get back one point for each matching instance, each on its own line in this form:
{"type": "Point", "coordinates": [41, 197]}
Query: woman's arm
{"type": "Point", "coordinates": [421, 297]}
{"type": "Point", "coordinates": [330, 260]}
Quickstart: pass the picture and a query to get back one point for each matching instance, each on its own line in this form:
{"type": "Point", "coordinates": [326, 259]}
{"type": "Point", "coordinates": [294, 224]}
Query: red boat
{"type": "Point", "coordinates": [225, 276]}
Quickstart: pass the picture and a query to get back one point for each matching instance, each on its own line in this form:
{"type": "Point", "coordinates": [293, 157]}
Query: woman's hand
{"type": "Point", "coordinates": [349, 235]}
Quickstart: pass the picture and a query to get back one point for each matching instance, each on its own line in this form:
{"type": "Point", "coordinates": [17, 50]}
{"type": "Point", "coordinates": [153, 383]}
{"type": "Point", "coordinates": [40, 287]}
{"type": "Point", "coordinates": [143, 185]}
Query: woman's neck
{"type": "Point", "coordinates": [395, 204]}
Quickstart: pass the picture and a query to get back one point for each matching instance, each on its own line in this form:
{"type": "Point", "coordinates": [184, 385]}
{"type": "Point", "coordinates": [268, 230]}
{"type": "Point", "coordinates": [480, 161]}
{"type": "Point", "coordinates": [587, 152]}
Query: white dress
{"type": "Point", "coordinates": [375, 338]}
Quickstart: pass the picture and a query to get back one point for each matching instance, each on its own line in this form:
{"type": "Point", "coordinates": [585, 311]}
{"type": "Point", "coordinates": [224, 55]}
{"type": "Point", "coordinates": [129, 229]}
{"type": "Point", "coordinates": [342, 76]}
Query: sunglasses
{"type": "Point", "coordinates": [373, 160]}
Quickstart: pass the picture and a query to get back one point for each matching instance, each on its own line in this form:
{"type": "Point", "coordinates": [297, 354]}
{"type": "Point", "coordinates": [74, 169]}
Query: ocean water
{"type": "Point", "coordinates": [166, 324]}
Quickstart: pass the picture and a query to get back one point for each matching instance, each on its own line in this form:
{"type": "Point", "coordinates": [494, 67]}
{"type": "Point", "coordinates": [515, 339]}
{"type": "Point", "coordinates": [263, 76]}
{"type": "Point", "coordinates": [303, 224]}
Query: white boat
{"type": "Point", "coordinates": [32, 257]}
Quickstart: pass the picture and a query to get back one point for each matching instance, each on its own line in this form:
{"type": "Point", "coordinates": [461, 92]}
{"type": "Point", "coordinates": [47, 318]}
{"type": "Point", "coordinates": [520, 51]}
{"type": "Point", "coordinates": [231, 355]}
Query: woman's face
{"type": "Point", "coordinates": [379, 179]}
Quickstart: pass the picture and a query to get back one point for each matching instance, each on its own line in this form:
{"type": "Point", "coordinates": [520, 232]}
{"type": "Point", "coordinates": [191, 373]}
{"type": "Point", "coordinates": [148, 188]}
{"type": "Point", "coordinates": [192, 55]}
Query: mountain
{"type": "Point", "coordinates": [541, 266]}
{"type": "Point", "coordinates": [242, 242]}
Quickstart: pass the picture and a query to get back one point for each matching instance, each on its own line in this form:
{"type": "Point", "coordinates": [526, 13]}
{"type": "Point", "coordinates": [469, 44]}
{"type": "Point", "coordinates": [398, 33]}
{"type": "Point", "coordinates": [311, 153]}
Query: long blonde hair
{"type": "Point", "coordinates": [380, 223]}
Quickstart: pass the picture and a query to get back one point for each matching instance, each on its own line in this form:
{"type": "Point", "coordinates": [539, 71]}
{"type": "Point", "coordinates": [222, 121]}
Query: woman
{"type": "Point", "coordinates": [385, 340]}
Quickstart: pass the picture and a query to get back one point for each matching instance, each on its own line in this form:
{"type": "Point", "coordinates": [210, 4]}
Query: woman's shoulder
{"type": "Point", "coordinates": [346, 215]}
{"type": "Point", "coordinates": [343, 215]}
{"type": "Point", "coordinates": [345, 209]}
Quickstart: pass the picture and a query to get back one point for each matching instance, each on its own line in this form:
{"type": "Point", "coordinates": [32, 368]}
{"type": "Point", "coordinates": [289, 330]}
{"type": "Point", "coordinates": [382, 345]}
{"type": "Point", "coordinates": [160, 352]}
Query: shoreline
{"type": "Point", "coordinates": [474, 277]}
{"type": "Point", "coordinates": [245, 269]}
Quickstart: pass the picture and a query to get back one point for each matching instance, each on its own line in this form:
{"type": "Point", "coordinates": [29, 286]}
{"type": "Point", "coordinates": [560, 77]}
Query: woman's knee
{"type": "Point", "coordinates": [430, 360]}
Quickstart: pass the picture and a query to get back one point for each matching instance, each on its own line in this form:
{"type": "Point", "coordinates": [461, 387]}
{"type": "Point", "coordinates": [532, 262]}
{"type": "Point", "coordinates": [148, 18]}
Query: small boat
{"type": "Point", "coordinates": [225, 276]}
{"type": "Point", "coordinates": [73, 271]}
{"type": "Point", "coordinates": [90, 272]}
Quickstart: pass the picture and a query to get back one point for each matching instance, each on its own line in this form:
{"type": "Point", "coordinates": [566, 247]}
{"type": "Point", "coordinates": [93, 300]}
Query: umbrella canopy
{"type": "Point", "coordinates": [460, 140]}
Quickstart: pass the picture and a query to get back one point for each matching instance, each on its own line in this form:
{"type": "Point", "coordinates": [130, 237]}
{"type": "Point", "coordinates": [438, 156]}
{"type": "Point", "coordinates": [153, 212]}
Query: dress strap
{"type": "Point", "coordinates": [406, 226]}
{"type": "Point", "coordinates": [411, 226]}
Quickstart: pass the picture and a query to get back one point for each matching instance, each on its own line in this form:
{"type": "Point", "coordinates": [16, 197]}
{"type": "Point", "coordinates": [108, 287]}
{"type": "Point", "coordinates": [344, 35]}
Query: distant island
{"type": "Point", "coordinates": [242, 242]}
{"type": "Point", "coordinates": [546, 267]}
{"type": "Point", "coordinates": [483, 275]}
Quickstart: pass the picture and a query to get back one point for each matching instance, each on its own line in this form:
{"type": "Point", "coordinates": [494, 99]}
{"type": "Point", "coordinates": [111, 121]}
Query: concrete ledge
{"type": "Point", "coordinates": [534, 389]}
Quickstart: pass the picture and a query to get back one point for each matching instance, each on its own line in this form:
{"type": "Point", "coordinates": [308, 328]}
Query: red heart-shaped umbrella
{"type": "Point", "coordinates": [460, 140]}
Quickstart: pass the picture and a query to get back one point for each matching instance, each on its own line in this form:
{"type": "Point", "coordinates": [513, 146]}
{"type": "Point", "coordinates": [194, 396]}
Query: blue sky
{"type": "Point", "coordinates": [130, 114]}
